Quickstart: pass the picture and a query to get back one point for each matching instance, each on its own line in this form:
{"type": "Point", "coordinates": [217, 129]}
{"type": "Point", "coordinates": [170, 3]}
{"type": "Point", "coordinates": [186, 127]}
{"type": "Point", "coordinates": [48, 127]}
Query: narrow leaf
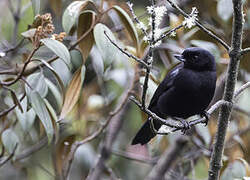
{"type": "Point", "coordinates": [10, 140]}
{"type": "Point", "coordinates": [29, 34]}
{"type": "Point", "coordinates": [40, 108]}
{"type": "Point", "coordinates": [73, 92]}
{"type": "Point", "coordinates": [97, 61]}
{"type": "Point", "coordinates": [57, 95]}
{"type": "Point", "coordinates": [37, 83]}
{"type": "Point", "coordinates": [55, 74]}
{"type": "Point", "coordinates": [59, 49]}
{"type": "Point", "coordinates": [129, 25]}
{"type": "Point", "coordinates": [86, 22]}
{"type": "Point", "coordinates": [71, 14]}
{"type": "Point", "coordinates": [108, 51]}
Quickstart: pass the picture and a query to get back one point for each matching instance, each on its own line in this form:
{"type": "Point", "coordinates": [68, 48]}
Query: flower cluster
{"type": "Point", "coordinates": [190, 21]}
{"type": "Point", "coordinates": [44, 28]}
{"type": "Point", "coordinates": [159, 12]}
{"type": "Point", "coordinates": [59, 37]}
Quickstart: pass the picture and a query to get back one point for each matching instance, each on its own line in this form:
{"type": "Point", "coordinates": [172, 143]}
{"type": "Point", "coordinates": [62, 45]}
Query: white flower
{"type": "Point", "coordinates": [173, 34]}
{"type": "Point", "coordinates": [130, 5]}
{"type": "Point", "coordinates": [150, 9]}
{"type": "Point", "coordinates": [190, 21]}
{"type": "Point", "coordinates": [159, 13]}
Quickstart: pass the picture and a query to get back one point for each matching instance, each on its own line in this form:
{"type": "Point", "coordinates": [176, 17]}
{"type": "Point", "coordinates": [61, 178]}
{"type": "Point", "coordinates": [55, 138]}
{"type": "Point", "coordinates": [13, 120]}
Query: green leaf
{"type": "Point", "coordinates": [36, 6]}
{"type": "Point", "coordinates": [97, 62]}
{"type": "Point", "coordinates": [235, 170]}
{"type": "Point", "coordinates": [40, 108]}
{"type": "Point", "coordinates": [76, 58]}
{"type": "Point", "coordinates": [108, 51]}
{"type": "Point", "coordinates": [10, 140]}
{"type": "Point", "coordinates": [86, 22]}
{"type": "Point", "coordinates": [73, 91]}
{"type": "Point", "coordinates": [37, 83]}
{"type": "Point", "coordinates": [29, 34]}
{"type": "Point", "coordinates": [25, 118]}
{"type": "Point", "coordinates": [129, 25]}
{"type": "Point", "coordinates": [71, 13]}
{"type": "Point", "coordinates": [57, 95]}
{"type": "Point", "coordinates": [54, 72]}
{"type": "Point", "coordinates": [59, 49]}
{"type": "Point", "coordinates": [53, 115]}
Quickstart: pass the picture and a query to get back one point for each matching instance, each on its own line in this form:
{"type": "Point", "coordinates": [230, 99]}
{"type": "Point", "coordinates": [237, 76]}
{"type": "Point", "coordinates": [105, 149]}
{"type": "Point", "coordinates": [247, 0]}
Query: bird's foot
{"type": "Point", "coordinates": [186, 125]}
{"type": "Point", "coordinates": [206, 115]}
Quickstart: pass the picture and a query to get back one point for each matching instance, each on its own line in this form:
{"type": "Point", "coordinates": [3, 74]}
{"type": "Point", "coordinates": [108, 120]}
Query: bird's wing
{"type": "Point", "coordinates": [165, 85]}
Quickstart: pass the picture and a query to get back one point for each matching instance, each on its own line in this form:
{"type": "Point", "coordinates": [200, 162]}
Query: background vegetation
{"type": "Point", "coordinates": [65, 111]}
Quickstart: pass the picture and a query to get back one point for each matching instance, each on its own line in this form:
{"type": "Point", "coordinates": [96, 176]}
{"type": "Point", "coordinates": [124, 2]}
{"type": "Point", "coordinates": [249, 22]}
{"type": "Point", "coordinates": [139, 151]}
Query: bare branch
{"type": "Point", "coordinates": [199, 24]}
{"type": "Point", "coordinates": [9, 157]}
{"type": "Point", "coordinates": [135, 157]}
{"type": "Point", "coordinates": [168, 158]}
{"type": "Point", "coordinates": [125, 52]}
{"type": "Point", "coordinates": [175, 124]}
{"type": "Point", "coordinates": [130, 5]}
{"type": "Point", "coordinates": [244, 51]}
{"type": "Point", "coordinates": [241, 89]}
{"type": "Point", "coordinates": [19, 76]}
{"type": "Point", "coordinates": [5, 112]}
{"type": "Point", "coordinates": [225, 112]}
{"type": "Point", "coordinates": [34, 148]}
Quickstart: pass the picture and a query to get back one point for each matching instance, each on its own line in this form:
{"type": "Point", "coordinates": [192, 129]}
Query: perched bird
{"type": "Point", "coordinates": [186, 90]}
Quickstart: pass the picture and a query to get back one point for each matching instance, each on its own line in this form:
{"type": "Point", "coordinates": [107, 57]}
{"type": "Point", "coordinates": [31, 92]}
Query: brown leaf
{"type": "Point", "coordinates": [86, 22]}
{"type": "Point", "coordinates": [73, 92]}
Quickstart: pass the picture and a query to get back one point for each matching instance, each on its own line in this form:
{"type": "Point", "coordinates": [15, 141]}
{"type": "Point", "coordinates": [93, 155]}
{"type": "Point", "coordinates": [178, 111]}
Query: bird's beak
{"type": "Point", "coordinates": [180, 57]}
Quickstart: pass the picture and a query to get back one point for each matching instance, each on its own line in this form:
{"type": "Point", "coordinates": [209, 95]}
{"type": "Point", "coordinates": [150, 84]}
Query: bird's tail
{"type": "Point", "coordinates": [145, 134]}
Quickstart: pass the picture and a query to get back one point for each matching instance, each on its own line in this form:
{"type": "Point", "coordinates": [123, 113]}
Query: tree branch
{"type": "Point", "coordinates": [199, 24]}
{"type": "Point", "coordinates": [232, 73]}
{"type": "Point", "coordinates": [167, 160]}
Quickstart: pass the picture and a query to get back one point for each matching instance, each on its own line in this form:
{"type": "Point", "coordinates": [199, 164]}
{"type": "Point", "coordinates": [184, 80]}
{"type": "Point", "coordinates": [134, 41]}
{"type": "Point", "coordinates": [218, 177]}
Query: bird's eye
{"type": "Point", "coordinates": [195, 57]}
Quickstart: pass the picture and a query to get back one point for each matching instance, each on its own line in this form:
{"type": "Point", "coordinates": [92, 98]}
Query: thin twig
{"type": "Point", "coordinates": [175, 124]}
{"type": "Point", "coordinates": [241, 89]}
{"type": "Point", "coordinates": [168, 33]}
{"type": "Point", "coordinates": [244, 51]}
{"type": "Point", "coordinates": [23, 69]}
{"type": "Point", "coordinates": [5, 112]}
{"type": "Point", "coordinates": [34, 148]}
{"type": "Point", "coordinates": [199, 24]}
{"type": "Point", "coordinates": [125, 52]}
{"type": "Point", "coordinates": [130, 5]}
{"type": "Point", "coordinates": [135, 157]}
{"type": "Point", "coordinates": [9, 157]}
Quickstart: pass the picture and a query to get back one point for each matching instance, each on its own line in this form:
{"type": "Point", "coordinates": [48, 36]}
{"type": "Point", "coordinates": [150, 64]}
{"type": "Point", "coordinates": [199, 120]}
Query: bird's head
{"type": "Point", "coordinates": [197, 59]}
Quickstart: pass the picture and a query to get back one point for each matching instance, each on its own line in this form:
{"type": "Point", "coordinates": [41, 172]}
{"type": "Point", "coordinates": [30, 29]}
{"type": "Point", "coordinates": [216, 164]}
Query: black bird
{"type": "Point", "coordinates": [186, 90]}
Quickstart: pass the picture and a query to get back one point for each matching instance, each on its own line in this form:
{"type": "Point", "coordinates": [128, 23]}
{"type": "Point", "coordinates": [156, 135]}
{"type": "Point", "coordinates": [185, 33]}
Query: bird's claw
{"type": "Point", "coordinates": [207, 116]}
{"type": "Point", "coordinates": [186, 125]}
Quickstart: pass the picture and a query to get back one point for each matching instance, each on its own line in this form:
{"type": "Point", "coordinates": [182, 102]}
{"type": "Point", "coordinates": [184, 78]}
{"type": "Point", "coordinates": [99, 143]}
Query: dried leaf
{"type": "Point", "coordinates": [73, 92]}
